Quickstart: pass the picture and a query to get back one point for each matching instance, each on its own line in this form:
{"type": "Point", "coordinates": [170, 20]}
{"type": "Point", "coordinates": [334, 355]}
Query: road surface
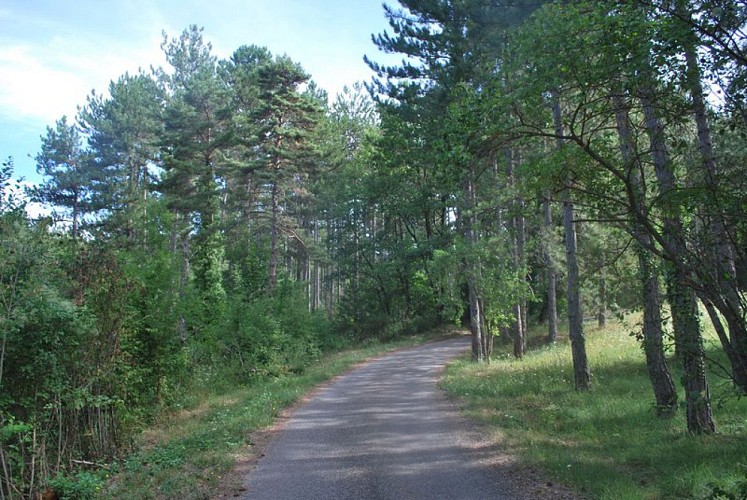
{"type": "Point", "coordinates": [382, 431]}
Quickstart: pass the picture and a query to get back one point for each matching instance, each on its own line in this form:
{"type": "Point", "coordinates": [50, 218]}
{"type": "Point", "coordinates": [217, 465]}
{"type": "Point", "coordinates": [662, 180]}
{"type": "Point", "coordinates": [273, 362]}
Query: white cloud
{"type": "Point", "coordinates": [17, 192]}
{"type": "Point", "coordinates": [31, 89]}
{"type": "Point", "coordinates": [46, 82]}
{"type": "Point", "coordinates": [55, 52]}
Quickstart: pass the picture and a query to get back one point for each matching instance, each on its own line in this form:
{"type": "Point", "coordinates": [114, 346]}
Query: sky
{"type": "Point", "coordinates": [54, 52]}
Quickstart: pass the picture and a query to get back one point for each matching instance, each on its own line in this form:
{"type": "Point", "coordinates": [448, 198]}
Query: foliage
{"type": "Point", "coordinates": [224, 223]}
{"type": "Point", "coordinates": [83, 485]}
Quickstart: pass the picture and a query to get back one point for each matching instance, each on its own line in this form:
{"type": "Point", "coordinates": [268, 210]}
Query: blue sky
{"type": "Point", "coordinates": [54, 52]}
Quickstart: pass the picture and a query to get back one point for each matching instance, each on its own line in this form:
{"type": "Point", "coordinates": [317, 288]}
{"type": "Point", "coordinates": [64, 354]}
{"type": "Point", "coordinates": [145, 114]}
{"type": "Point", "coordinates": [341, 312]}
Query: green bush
{"type": "Point", "coordinates": [83, 485]}
{"type": "Point", "coordinates": [265, 336]}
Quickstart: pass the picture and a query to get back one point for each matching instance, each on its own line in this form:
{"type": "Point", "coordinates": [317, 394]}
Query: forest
{"type": "Point", "coordinates": [217, 222]}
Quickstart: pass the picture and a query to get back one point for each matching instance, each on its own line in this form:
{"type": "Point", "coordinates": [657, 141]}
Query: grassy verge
{"type": "Point", "coordinates": [189, 452]}
{"type": "Point", "coordinates": [607, 443]}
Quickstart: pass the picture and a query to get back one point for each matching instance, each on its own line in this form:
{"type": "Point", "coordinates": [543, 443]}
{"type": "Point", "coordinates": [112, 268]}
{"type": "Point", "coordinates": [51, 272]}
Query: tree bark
{"type": "Point", "coordinates": [517, 234]}
{"type": "Point", "coordinates": [581, 373]}
{"type": "Point", "coordinates": [183, 280]}
{"type": "Point", "coordinates": [521, 238]}
{"type": "Point", "coordinates": [582, 376]}
{"type": "Point", "coordinates": [688, 339]}
{"type": "Point", "coordinates": [76, 211]}
{"type": "Point", "coordinates": [551, 273]}
{"type": "Point", "coordinates": [274, 237]}
{"type": "Point", "coordinates": [720, 332]}
{"type": "Point", "coordinates": [602, 300]}
{"type": "Point", "coordinates": [316, 273]}
{"type": "Point", "coordinates": [723, 269]}
{"type": "Point", "coordinates": [476, 322]}
{"type": "Point", "coordinates": [487, 337]}
{"type": "Point", "coordinates": [665, 392]}
{"type": "Point", "coordinates": [473, 269]}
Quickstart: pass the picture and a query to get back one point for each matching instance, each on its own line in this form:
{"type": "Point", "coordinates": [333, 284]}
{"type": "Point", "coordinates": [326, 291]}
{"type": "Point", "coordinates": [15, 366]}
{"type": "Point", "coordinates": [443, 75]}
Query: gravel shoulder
{"type": "Point", "coordinates": [384, 431]}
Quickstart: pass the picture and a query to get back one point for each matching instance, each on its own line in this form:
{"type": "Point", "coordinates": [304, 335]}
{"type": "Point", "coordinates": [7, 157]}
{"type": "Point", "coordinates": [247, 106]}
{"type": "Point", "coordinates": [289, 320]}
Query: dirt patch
{"type": "Point", "coordinates": [232, 484]}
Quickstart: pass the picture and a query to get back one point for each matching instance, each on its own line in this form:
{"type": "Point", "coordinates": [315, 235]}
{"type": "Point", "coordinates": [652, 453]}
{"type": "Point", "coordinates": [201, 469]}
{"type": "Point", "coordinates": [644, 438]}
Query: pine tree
{"type": "Point", "coordinates": [62, 161]}
{"type": "Point", "coordinates": [273, 128]}
{"type": "Point", "coordinates": [123, 132]}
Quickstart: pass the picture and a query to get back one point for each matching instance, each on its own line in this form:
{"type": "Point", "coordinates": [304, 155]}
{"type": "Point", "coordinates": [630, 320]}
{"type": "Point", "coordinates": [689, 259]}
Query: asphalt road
{"type": "Point", "coordinates": [382, 431]}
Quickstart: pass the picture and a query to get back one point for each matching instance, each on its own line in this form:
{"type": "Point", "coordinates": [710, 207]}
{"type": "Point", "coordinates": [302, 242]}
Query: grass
{"type": "Point", "coordinates": [188, 454]}
{"type": "Point", "coordinates": [607, 443]}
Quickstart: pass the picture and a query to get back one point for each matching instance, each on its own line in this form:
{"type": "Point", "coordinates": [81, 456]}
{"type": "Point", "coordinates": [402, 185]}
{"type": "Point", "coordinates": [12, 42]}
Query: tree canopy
{"type": "Point", "coordinates": [227, 220]}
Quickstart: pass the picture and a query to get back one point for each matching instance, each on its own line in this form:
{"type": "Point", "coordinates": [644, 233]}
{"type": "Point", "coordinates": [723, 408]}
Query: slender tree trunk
{"type": "Point", "coordinates": [581, 372]}
{"type": "Point", "coordinates": [723, 272]}
{"type": "Point", "coordinates": [307, 268]}
{"type": "Point", "coordinates": [521, 241]}
{"type": "Point", "coordinates": [184, 244]}
{"type": "Point", "coordinates": [602, 304]}
{"type": "Point", "coordinates": [721, 332]}
{"type": "Point", "coordinates": [76, 212]}
{"type": "Point", "coordinates": [517, 235]}
{"type": "Point", "coordinates": [274, 237]}
{"type": "Point", "coordinates": [144, 221]}
{"type": "Point", "coordinates": [316, 273]}
{"type": "Point", "coordinates": [582, 376]}
{"type": "Point", "coordinates": [551, 273]}
{"type": "Point", "coordinates": [521, 238]}
{"type": "Point", "coordinates": [665, 392]}
{"type": "Point", "coordinates": [473, 269]}
{"type": "Point", "coordinates": [476, 322]}
{"type": "Point", "coordinates": [688, 339]}
{"type": "Point", "coordinates": [517, 333]}
{"type": "Point", "coordinates": [487, 336]}
{"type": "Point", "coordinates": [690, 347]}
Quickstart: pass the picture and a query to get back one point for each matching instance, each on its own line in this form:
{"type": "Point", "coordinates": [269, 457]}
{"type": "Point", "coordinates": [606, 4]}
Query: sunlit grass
{"type": "Point", "coordinates": [187, 454]}
{"type": "Point", "coordinates": [608, 443]}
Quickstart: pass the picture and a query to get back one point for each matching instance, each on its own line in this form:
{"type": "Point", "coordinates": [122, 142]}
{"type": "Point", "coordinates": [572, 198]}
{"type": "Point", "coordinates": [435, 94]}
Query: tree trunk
{"type": "Point", "coordinates": [521, 237]}
{"type": "Point", "coordinates": [521, 241]}
{"type": "Point", "coordinates": [581, 373]}
{"type": "Point", "coordinates": [723, 270]}
{"type": "Point", "coordinates": [517, 234]}
{"type": "Point", "coordinates": [665, 392]}
{"type": "Point", "coordinates": [731, 354]}
{"type": "Point", "coordinates": [517, 333]}
{"type": "Point", "coordinates": [183, 281]}
{"type": "Point", "coordinates": [486, 338]}
{"type": "Point", "coordinates": [582, 376]}
{"type": "Point", "coordinates": [316, 273]}
{"type": "Point", "coordinates": [473, 269]}
{"type": "Point", "coordinates": [76, 211]}
{"type": "Point", "coordinates": [476, 322]}
{"type": "Point", "coordinates": [602, 301]}
{"type": "Point", "coordinates": [274, 237]}
{"type": "Point", "coordinates": [685, 320]}
{"type": "Point", "coordinates": [690, 348]}
{"type": "Point", "coordinates": [551, 273]}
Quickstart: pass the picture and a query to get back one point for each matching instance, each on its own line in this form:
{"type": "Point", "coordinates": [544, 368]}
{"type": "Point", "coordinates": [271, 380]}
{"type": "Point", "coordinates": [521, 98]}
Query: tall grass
{"type": "Point", "coordinates": [607, 443]}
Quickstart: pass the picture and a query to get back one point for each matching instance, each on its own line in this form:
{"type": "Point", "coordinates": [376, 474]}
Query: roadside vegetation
{"type": "Point", "coordinates": [191, 452]}
{"type": "Point", "coordinates": [607, 443]}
